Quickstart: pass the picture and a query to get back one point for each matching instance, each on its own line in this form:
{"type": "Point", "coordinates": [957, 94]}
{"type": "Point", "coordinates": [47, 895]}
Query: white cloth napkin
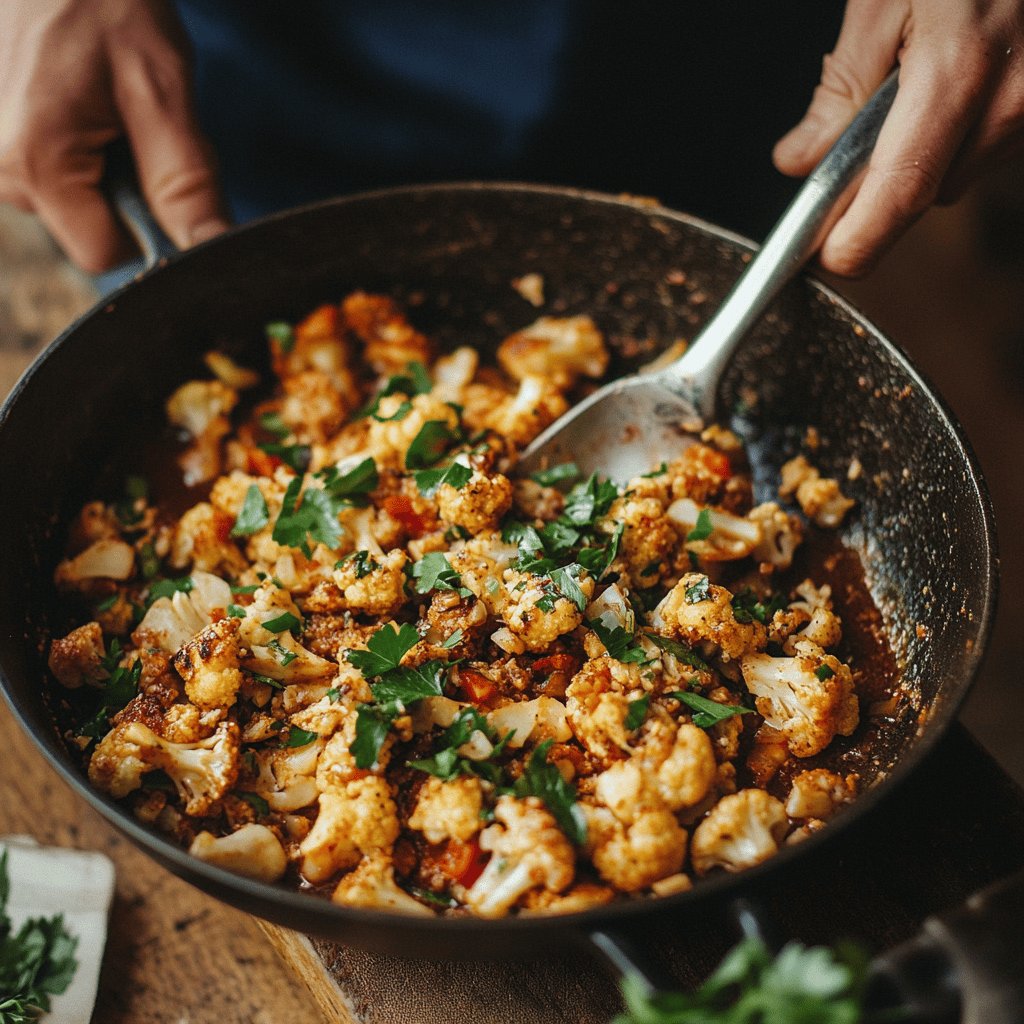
{"type": "Point", "coordinates": [46, 880]}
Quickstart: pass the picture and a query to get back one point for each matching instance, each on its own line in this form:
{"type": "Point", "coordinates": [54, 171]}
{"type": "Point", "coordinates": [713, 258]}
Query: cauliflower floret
{"type": "Point", "coordinates": [819, 793]}
{"type": "Point", "coordinates": [698, 611]}
{"type": "Point", "coordinates": [581, 896]}
{"type": "Point", "coordinates": [103, 559]}
{"type": "Point", "coordinates": [452, 372]}
{"type": "Point", "coordinates": [521, 417]}
{"type": "Point", "coordinates": [537, 613]}
{"type": "Point", "coordinates": [352, 821]}
{"type": "Point", "coordinates": [649, 541]}
{"type": "Point", "coordinates": [559, 349]}
{"type": "Point", "coordinates": [313, 407]}
{"type": "Point", "coordinates": [673, 767]}
{"type": "Point", "coordinates": [478, 505]}
{"type": "Point", "coordinates": [635, 856]}
{"type": "Point", "coordinates": [201, 542]}
{"type": "Point", "coordinates": [388, 439]}
{"type": "Point", "coordinates": [531, 721]}
{"type": "Point", "coordinates": [372, 884]}
{"type": "Point", "coordinates": [285, 777]}
{"type": "Point", "coordinates": [597, 702]}
{"type": "Point", "coordinates": [528, 851]}
{"type": "Point", "coordinates": [391, 341]}
{"type": "Point", "coordinates": [172, 621]}
{"type": "Point", "coordinates": [808, 697]}
{"type": "Point", "coordinates": [226, 370]}
{"type": "Point", "coordinates": [198, 404]}
{"type": "Point", "coordinates": [819, 497]}
{"type": "Point", "coordinates": [277, 655]}
{"type": "Point", "coordinates": [741, 830]}
{"type": "Point", "coordinates": [209, 665]}
{"type": "Point", "coordinates": [253, 851]}
{"type": "Point", "coordinates": [448, 810]}
{"type": "Point", "coordinates": [781, 535]}
{"type": "Point", "coordinates": [700, 473]}
{"type": "Point", "coordinates": [78, 657]}
{"type": "Point", "coordinates": [318, 343]}
{"type": "Point", "coordinates": [731, 536]}
{"type": "Point", "coordinates": [373, 586]}
{"type": "Point", "coordinates": [202, 772]}
{"type": "Point", "coordinates": [337, 765]}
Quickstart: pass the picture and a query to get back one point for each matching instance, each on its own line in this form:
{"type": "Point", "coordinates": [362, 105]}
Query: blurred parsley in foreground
{"type": "Point", "coordinates": [800, 985]}
{"type": "Point", "coordinates": [36, 962]}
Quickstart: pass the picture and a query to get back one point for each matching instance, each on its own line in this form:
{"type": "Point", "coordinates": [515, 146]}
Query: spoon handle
{"type": "Point", "coordinates": [792, 242]}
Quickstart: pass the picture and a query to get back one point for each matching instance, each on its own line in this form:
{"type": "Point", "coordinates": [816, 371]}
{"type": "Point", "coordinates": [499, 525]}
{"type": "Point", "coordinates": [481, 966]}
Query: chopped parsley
{"type": "Point", "coordinates": [563, 584]}
{"type": "Point", "coordinates": [415, 381]}
{"type": "Point", "coordinates": [446, 762]}
{"type": "Point", "coordinates": [589, 500]}
{"type": "Point", "coordinates": [703, 528]}
{"type": "Point", "coordinates": [316, 517]}
{"type": "Point", "coordinates": [298, 737]}
{"type": "Point", "coordinates": [637, 712]}
{"type": "Point", "coordinates": [660, 471]}
{"type": "Point", "coordinates": [453, 640]}
{"type": "Point", "coordinates": [257, 803]}
{"type": "Point", "coordinates": [435, 437]}
{"type": "Point", "coordinates": [334, 694]}
{"type": "Point", "coordinates": [284, 656]}
{"type": "Point", "coordinates": [268, 681]}
{"type": "Point", "coordinates": [429, 480]}
{"type": "Point", "coordinates": [823, 672]}
{"type": "Point", "coordinates": [679, 651]}
{"type": "Point", "coordinates": [556, 474]}
{"type": "Point", "coordinates": [280, 332]}
{"type": "Point", "coordinates": [707, 712]}
{"type": "Point", "coordinates": [400, 413]}
{"type": "Point", "coordinates": [434, 572]}
{"type": "Point", "coordinates": [363, 562]}
{"type": "Point", "coordinates": [250, 589]}
{"type": "Point", "coordinates": [285, 622]}
{"type": "Point", "coordinates": [597, 560]}
{"type": "Point", "coordinates": [295, 455]}
{"type": "Point", "coordinates": [272, 423]}
{"type": "Point", "coordinates": [236, 611]}
{"type": "Point", "coordinates": [107, 603]}
{"type": "Point", "coordinates": [350, 488]}
{"type": "Point", "coordinates": [149, 562]}
{"type": "Point", "coordinates": [699, 591]}
{"type": "Point", "coordinates": [117, 692]}
{"type": "Point", "coordinates": [746, 607]}
{"type": "Point", "coordinates": [618, 642]}
{"type": "Point", "coordinates": [168, 588]}
{"type": "Point", "coordinates": [542, 779]}
{"type": "Point", "coordinates": [253, 515]}
{"type": "Point", "coordinates": [384, 650]}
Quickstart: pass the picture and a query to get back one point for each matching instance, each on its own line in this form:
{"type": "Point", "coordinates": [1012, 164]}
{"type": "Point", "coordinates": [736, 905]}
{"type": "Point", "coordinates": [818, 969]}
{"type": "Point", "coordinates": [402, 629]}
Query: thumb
{"type": "Point", "coordinates": [865, 53]}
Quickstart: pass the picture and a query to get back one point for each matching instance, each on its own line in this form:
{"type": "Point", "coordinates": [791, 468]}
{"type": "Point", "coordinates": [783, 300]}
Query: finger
{"type": "Point", "coordinates": [65, 194]}
{"type": "Point", "coordinates": [865, 53]}
{"type": "Point", "coordinates": [175, 164]}
{"type": "Point", "coordinates": [937, 102]}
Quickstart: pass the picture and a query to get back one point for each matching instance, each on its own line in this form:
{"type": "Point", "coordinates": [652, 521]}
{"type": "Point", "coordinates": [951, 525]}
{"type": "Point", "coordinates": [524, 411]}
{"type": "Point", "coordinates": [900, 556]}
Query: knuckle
{"type": "Point", "coordinates": [841, 78]}
{"type": "Point", "coordinates": [181, 186]}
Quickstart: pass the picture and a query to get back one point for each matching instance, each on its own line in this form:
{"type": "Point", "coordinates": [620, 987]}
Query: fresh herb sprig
{"type": "Point", "coordinates": [542, 779]}
{"type": "Point", "coordinates": [446, 762]}
{"type": "Point", "coordinates": [36, 962]}
{"type": "Point", "coordinates": [707, 712]}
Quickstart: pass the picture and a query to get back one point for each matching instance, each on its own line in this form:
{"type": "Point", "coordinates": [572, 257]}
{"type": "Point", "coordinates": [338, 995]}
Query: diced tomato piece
{"type": "Point", "coordinates": [399, 507]}
{"type": "Point", "coordinates": [259, 463]}
{"type": "Point", "coordinates": [461, 862]}
{"type": "Point", "coordinates": [719, 464]}
{"type": "Point", "coordinates": [222, 524]}
{"type": "Point", "coordinates": [476, 686]}
{"type": "Point", "coordinates": [555, 663]}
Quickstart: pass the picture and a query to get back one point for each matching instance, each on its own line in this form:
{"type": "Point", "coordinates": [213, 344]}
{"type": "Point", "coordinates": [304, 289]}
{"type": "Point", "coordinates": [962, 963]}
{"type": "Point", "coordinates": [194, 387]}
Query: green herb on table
{"type": "Point", "coordinates": [36, 962]}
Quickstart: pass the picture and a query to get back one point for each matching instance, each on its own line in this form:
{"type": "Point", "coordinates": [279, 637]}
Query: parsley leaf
{"type": "Point", "coordinates": [257, 803]}
{"type": "Point", "coordinates": [597, 560]}
{"type": "Point", "coordinates": [168, 588]}
{"type": "Point", "coordinates": [746, 607]}
{"type": "Point", "coordinates": [565, 581]}
{"type": "Point", "coordinates": [453, 640]}
{"type": "Point", "coordinates": [384, 650]}
{"type": "Point", "coordinates": [660, 471]}
{"type": "Point", "coordinates": [589, 500]}
{"type": "Point", "coordinates": [556, 474]}
{"type": "Point", "coordinates": [295, 455]}
{"type": "Point", "coordinates": [415, 381]}
{"type": "Point", "coordinates": [36, 961]}
{"type": "Point", "coordinates": [619, 643]}
{"type": "Point", "coordinates": [118, 690]}
{"type": "Point", "coordinates": [282, 333]}
{"type": "Point", "coordinates": [410, 684]}
{"type": "Point", "coordinates": [272, 423]}
{"type": "Point", "coordinates": [435, 437]}
{"type": "Point", "coordinates": [282, 623]}
{"type": "Point", "coordinates": [149, 562]}
{"type": "Point", "coordinates": [316, 517]}
{"type": "Point", "coordinates": [824, 672]}
{"type": "Point", "coordinates": [446, 763]}
{"type": "Point", "coordinates": [434, 572]}
{"type": "Point", "coordinates": [267, 681]}
{"type": "Point", "coordinates": [372, 725]}
{"type": "Point", "coordinates": [429, 480]}
{"type": "Point", "coordinates": [702, 528]}
{"type": "Point", "coordinates": [284, 656]}
{"type": "Point", "coordinates": [347, 487]}
{"type": "Point", "coordinates": [707, 712]}
{"type": "Point", "coordinates": [678, 650]}
{"type": "Point", "coordinates": [253, 515]}
{"type": "Point", "coordinates": [400, 413]}
{"type": "Point", "coordinates": [699, 591]}
{"type": "Point", "coordinates": [637, 712]}
{"type": "Point", "coordinates": [363, 562]}
{"type": "Point", "coordinates": [298, 737]}
{"type": "Point", "coordinates": [542, 779]}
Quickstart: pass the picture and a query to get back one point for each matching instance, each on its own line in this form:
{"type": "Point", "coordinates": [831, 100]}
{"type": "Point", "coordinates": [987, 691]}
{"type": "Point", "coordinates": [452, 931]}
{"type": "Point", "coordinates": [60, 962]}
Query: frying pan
{"type": "Point", "coordinates": [923, 525]}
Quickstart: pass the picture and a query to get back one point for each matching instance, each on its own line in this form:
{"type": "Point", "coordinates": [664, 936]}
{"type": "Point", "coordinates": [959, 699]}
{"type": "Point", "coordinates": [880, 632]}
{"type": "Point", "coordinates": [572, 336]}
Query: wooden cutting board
{"type": "Point", "coordinates": [956, 826]}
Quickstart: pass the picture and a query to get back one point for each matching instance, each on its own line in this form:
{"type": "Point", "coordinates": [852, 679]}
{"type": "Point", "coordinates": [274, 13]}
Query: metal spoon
{"type": "Point", "coordinates": [630, 425]}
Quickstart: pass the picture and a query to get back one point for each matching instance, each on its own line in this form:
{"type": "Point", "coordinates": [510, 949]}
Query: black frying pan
{"type": "Point", "coordinates": [923, 525]}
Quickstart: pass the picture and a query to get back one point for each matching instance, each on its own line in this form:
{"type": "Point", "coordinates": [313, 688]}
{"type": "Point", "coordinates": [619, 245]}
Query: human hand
{"type": "Point", "coordinates": [959, 108]}
{"type": "Point", "coordinates": [75, 75]}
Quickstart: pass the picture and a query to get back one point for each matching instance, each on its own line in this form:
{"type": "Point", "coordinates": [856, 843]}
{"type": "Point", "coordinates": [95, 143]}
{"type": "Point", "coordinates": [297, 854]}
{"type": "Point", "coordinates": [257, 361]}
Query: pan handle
{"type": "Point", "coordinates": [121, 187]}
